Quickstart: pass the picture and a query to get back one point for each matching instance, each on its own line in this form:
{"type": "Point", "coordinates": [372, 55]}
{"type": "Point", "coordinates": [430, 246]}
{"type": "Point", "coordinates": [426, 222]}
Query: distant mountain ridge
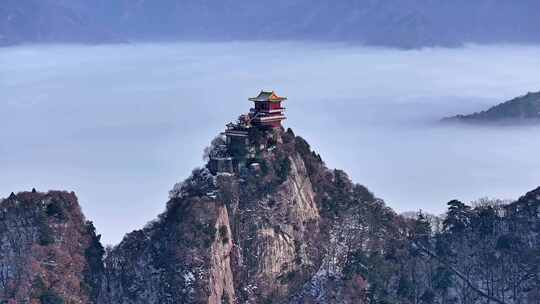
{"type": "Point", "coordinates": [404, 24]}
{"type": "Point", "coordinates": [51, 21]}
{"type": "Point", "coordinates": [520, 109]}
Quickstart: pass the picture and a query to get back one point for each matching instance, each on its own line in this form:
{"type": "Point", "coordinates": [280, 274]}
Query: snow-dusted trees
{"type": "Point", "coordinates": [217, 148]}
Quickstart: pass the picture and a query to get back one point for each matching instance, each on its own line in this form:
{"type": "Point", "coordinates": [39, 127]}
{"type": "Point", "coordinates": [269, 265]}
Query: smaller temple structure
{"type": "Point", "coordinates": [238, 132]}
{"type": "Point", "coordinates": [220, 160]}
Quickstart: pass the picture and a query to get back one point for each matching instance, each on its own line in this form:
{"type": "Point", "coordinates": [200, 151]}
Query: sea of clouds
{"type": "Point", "coordinates": [120, 124]}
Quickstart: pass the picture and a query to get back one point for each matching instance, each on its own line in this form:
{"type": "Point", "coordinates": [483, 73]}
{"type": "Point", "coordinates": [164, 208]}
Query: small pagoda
{"type": "Point", "coordinates": [268, 111]}
{"type": "Point", "coordinates": [266, 114]}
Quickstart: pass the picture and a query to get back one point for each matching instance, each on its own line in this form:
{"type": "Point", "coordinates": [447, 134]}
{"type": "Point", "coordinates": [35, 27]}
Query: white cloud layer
{"type": "Point", "coordinates": [121, 124]}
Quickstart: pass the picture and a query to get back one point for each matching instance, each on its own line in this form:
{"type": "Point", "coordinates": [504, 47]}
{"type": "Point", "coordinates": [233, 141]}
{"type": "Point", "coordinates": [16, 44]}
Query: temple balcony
{"type": "Point", "coordinates": [269, 118]}
{"type": "Point", "coordinates": [274, 110]}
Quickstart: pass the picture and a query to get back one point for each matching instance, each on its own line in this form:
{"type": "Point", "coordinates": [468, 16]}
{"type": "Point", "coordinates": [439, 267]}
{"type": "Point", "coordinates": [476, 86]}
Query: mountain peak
{"type": "Point", "coordinates": [45, 240]}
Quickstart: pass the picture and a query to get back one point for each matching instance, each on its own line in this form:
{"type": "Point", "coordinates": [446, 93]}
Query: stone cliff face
{"type": "Point", "coordinates": [47, 250]}
{"type": "Point", "coordinates": [274, 235]}
{"type": "Point", "coordinates": [181, 258]}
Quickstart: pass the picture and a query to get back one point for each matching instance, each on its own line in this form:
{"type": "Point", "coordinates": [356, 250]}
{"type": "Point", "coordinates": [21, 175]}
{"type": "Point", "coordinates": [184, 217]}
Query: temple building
{"type": "Point", "coordinates": [268, 111]}
{"type": "Point", "coordinates": [267, 114]}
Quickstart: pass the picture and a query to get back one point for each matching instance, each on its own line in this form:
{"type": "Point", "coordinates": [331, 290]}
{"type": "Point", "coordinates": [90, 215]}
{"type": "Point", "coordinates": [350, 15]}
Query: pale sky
{"type": "Point", "coordinates": [120, 124]}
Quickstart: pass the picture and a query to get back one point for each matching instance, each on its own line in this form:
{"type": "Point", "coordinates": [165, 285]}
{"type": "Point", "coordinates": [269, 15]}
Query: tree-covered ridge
{"type": "Point", "coordinates": [481, 254]}
{"type": "Point", "coordinates": [523, 108]}
{"type": "Point", "coordinates": [489, 253]}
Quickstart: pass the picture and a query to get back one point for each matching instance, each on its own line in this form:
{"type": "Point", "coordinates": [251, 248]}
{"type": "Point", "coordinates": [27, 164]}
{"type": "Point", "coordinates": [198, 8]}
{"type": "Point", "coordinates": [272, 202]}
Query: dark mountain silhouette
{"type": "Point", "coordinates": [523, 109]}
{"type": "Point", "coordinates": [397, 23]}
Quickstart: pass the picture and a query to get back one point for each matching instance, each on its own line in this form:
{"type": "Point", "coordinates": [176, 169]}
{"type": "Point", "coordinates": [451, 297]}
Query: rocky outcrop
{"type": "Point", "coordinates": [183, 257]}
{"type": "Point", "coordinates": [48, 251]}
{"type": "Point", "coordinates": [274, 235]}
{"type": "Point", "coordinates": [247, 237]}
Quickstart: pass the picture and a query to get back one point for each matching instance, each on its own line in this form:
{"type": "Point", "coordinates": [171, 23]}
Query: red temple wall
{"type": "Point", "coordinates": [275, 105]}
{"type": "Point", "coordinates": [262, 106]}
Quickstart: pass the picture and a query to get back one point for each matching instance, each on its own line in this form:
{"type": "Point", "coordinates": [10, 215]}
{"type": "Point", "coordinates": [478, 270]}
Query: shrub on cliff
{"type": "Point", "coordinates": [51, 297]}
{"type": "Point", "coordinates": [46, 236]}
{"type": "Point", "coordinates": [200, 183]}
{"type": "Point", "coordinates": [55, 209]}
{"type": "Point", "coordinates": [94, 269]}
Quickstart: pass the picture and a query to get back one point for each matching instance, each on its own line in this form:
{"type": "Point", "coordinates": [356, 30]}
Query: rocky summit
{"type": "Point", "coordinates": [49, 253]}
{"type": "Point", "coordinates": [272, 225]}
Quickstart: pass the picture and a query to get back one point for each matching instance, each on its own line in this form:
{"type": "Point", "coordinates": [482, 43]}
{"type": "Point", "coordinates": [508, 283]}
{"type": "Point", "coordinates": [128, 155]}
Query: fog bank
{"type": "Point", "coordinates": [120, 124]}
